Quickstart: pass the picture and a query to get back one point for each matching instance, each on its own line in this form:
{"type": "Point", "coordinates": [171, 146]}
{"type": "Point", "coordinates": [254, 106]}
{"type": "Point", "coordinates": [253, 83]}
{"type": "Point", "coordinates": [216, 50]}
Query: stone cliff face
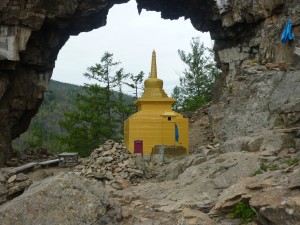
{"type": "Point", "coordinates": [251, 101]}
{"type": "Point", "coordinates": [261, 82]}
{"type": "Point", "coordinates": [31, 35]}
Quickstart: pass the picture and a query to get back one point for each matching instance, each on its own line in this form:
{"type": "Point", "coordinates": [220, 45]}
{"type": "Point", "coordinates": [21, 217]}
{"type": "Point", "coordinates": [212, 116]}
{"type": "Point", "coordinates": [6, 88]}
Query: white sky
{"type": "Point", "coordinates": [131, 38]}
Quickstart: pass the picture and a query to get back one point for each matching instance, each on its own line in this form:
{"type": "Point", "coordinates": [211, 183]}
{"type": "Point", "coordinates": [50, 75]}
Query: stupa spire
{"type": "Point", "coordinates": [153, 66]}
{"type": "Point", "coordinates": [153, 85]}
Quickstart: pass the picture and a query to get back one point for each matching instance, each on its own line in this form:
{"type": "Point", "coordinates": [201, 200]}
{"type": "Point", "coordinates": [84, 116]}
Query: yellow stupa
{"type": "Point", "coordinates": [155, 123]}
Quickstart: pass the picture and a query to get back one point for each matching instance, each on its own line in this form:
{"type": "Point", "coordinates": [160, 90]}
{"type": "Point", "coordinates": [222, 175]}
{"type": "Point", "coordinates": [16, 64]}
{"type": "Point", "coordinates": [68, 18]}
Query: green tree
{"type": "Point", "coordinates": [197, 79]}
{"type": "Point", "coordinates": [37, 135]}
{"type": "Point", "coordinates": [100, 109]}
{"type": "Point", "coordinates": [137, 80]}
{"type": "Point", "coordinates": [123, 106]}
{"type": "Point", "coordinates": [179, 98]}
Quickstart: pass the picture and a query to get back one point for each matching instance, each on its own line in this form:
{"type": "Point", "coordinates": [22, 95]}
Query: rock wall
{"type": "Point", "coordinates": [259, 90]}
{"type": "Point", "coordinates": [31, 35]}
{"type": "Point", "coordinates": [261, 83]}
{"type": "Point", "coordinates": [246, 34]}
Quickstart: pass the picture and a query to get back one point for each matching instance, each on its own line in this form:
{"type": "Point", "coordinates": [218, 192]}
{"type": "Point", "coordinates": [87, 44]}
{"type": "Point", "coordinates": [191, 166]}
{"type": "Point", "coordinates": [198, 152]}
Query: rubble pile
{"type": "Point", "coordinates": [202, 111]}
{"type": "Point", "coordinates": [200, 129]}
{"type": "Point", "coordinates": [112, 163]}
{"type": "Point", "coordinates": [12, 184]}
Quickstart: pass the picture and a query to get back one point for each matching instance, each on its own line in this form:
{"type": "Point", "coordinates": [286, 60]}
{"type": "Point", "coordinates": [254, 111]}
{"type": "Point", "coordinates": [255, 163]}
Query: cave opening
{"type": "Point", "coordinates": [131, 37]}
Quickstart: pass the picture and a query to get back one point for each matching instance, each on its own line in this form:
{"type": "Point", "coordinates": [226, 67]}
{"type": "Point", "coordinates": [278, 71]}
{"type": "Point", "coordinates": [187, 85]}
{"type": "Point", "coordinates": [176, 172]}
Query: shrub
{"type": "Point", "coordinates": [264, 167]}
{"type": "Point", "coordinates": [291, 161]}
{"type": "Point", "coordinates": [259, 171]}
{"type": "Point", "coordinates": [243, 211]}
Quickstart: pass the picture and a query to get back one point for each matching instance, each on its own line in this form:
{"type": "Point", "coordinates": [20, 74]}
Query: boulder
{"type": "Point", "coordinates": [63, 199]}
{"type": "Point", "coordinates": [295, 180]}
{"type": "Point", "coordinates": [277, 206]}
{"type": "Point", "coordinates": [274, 195]}
{"type": "Point", "coordinates": [175, 168]}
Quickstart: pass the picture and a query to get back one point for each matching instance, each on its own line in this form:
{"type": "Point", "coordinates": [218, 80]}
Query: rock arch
{"type": "Point", "coordinates": [32, 33]}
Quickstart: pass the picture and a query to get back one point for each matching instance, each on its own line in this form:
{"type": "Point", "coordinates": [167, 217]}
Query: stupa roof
{"type": "Point", "coordinates": [153, 86]}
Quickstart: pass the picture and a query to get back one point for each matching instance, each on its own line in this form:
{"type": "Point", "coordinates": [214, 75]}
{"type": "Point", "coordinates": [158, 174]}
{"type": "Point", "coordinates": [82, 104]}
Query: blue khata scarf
{"type": "Point", "coordinates": [287, 32]}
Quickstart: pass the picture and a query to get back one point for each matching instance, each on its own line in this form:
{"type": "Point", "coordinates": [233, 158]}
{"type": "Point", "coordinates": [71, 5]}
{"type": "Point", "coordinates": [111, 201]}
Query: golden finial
{"type": "Point", "coordinates": [153, 66]}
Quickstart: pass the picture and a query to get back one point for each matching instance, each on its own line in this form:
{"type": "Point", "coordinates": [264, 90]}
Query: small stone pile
{"type": "Point", "coordinates": [200, 129]}
{"type": "Point", "coordinates": [30, 155]}
{"type": "Point", "coordinates": [12, 184]}
{"type": "Point", "coordinates": [112, 163]}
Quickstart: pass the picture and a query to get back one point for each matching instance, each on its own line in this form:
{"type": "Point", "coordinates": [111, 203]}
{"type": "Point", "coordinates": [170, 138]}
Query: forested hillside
{"type": "Point", "coordinates": [44, 127]}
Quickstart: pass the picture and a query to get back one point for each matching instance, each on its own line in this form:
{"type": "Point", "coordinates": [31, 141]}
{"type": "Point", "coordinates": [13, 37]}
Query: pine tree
{"type": "Point", "coordinates": [137, 80]}
{"type": "Point", "coordinates": [100, 109]}
{"type": "Point", "coordinates": [197, 79]}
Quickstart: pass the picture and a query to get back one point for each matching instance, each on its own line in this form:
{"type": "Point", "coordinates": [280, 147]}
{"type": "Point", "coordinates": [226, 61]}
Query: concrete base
{"type": "Point", "coordinates": [167, 154]}
{"type": "Point", "coordinates": [169, 150]}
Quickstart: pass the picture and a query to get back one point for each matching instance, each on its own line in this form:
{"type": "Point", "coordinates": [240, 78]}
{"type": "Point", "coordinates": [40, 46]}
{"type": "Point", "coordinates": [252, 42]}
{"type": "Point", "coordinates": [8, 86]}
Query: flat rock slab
{"type": "Point", "coordinates": [200, 183]}
{"type": "Point", "coordinates": [63, 199]}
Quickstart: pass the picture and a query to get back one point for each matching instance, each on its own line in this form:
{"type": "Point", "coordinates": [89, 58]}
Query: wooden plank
{"type": "Point", "coordinates": [68, 154]}
{"type": "Point", "coordinates": [286, 130]}
{"type": "Point", "coordinates": [25, 167]}
{"type": "Point", "coordinates": [49, 162]}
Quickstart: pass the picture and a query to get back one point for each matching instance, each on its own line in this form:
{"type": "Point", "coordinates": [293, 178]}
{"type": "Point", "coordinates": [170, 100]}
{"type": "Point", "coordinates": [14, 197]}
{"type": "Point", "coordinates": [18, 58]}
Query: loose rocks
{"type": "Point", "coordinates": [12, 184]}
{"type": "Point", "coordinates": [111, 162]}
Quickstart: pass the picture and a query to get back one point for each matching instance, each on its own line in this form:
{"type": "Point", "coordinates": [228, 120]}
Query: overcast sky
{"type": "Point", "coordinates": [131, 38]}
